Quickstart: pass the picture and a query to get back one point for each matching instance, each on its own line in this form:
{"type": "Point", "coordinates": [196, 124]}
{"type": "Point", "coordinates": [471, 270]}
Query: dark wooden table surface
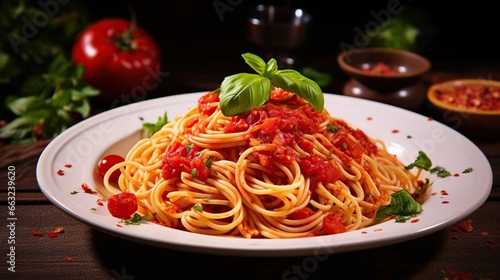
{"type": "Point", "coordinates": [81, 252]}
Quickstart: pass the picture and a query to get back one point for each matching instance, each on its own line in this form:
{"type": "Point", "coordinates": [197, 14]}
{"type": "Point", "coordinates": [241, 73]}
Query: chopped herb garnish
{"type": "Point", "coordinates": [332, 128]}
{"type": "Point", "coordinates": [188, 148]}
{"type": "Point", "coordinates": [344, 145]}
{"type": "Point", "coordinates": [136, 219]}
{"type": "Point", "coordinates": [402, 204]}
{"type": "Point", "coordinates": [148, 129]}
{"type": "Point", "coordinates": [198, 208]}
{"type": "Point", "coordinates": [209, 161]}
{"type": "Point", "coordinates": [468, 170]}
{"type": "Point", "coordinates": [440, 172]}
{"type": "Point", "coordinates": [73, 192]}
{"type": "Point", "coordinates": [93, 209]}
{"type": "Point", "coordinates": [193, 173]}
{"type": "Point", "coordinates": [422, 161]}
{"type": "Point", "coordinates": [409, 136]}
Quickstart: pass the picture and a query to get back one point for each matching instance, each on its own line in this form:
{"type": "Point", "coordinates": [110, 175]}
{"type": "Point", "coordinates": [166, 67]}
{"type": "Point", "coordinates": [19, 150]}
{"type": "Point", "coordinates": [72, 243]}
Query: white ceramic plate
{"type": "Point", "coordinates": [77, 151]}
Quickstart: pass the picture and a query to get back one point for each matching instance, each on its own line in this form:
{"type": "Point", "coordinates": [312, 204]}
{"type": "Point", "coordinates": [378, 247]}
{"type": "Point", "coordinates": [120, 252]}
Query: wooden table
{"type": "Point", "coordinates": [81, 252]}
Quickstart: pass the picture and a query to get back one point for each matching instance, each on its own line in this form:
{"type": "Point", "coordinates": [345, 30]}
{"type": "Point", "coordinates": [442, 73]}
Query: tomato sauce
{"type": "Point", "coordinates": [477, 97]}
{"type": "Point", "coordinates": [379, 68]}
{"type": "Point", "coordinates": [279, 124]}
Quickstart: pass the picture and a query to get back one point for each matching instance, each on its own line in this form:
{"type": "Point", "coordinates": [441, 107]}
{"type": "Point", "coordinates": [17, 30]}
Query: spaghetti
{"type": "Point", "coordinates": [282, 170]}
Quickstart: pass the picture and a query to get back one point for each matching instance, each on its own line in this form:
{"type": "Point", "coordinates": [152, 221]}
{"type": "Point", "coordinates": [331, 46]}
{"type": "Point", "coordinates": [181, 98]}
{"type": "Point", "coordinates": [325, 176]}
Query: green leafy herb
{"type": "Point", "coordinates": [240, 93]}
{"type": "Point", "coordinates": [136, 219]}
{"type": "Point", "coordinates": [422, 161]}
{"type": "Point", "coordinates": [440, 172]}
{"type": "Point", "coordinates": [332, 128]}
{"type": "Point", "coordinates": [402, 204]}
{"type": "Point", "coordinates": [194, 171]}
{"type": "Point", "coordinates": [198, 207]}
{"type": "Point", "coordinates": [50, 103]}
{"type": "Point", "coordinates": [41, 88]}
{"type": "Point", "coordinates": [468, 170]}
{"type": "Point", "coordinates": [209, 161]}
{"type": "Point", "coordinates": [148, 129]}
{"type": "Point", "coordinates": [188, 148]}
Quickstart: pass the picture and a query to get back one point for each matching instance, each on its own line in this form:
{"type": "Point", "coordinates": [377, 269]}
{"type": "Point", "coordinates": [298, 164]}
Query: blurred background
{"type": "Point", "coordinates": [204, 34]}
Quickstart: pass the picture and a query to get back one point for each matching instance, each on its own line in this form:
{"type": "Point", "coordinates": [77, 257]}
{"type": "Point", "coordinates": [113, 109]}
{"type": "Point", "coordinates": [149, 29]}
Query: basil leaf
{"type": "Point", "coordinates": [422, 161]}
{"type": "Point", "coordinates": [257, 63]}
{"type": "Point", "coordinates": [242, 92]}
{"type": "Point", "coordinates": [402, 203]}
{"type": "Point", "coordinates": [304, 87]}
{"type": "Point", "coordinates": [271, 68]}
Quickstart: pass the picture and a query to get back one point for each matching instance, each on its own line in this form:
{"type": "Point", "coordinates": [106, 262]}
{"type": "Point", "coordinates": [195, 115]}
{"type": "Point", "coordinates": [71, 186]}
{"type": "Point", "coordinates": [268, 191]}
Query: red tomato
{"type": "Point", "coordinates": [122, 205]}
{"type": "Point", "coordinates": [332, 224]}
{"type": "Point", "coordinates": [116, 62]}
{"type": "Point", "coordinates": [106, 163]}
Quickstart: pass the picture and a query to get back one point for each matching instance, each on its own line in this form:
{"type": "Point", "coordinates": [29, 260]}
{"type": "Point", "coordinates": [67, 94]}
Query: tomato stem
{"type": "Point", "coordinates": [126, 41]}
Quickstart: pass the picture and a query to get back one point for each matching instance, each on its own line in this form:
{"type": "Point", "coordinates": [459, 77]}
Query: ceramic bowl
{"type": "Point", "coordinates": [407, 68]}
{"type": "Point", "coordinates": [471, 106]}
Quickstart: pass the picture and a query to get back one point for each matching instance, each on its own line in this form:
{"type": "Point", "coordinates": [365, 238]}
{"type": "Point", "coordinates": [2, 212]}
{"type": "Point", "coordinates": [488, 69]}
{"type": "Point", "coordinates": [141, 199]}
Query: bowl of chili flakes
{"type": "Point", "coordinates": [471, 106]}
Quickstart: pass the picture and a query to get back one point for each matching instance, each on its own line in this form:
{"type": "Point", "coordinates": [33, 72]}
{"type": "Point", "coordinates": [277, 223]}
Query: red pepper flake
{"type": "Point", "coordinates": [465, 226]}
{"type": "Point", "coordinates": [455, 237]}
{"type": "Point", "coordinates": [87, 189]}
{"type": "Point", "coordinates": [445, 202]}
{"type": "Point", "coordinates": [433, 194]}
{"type": "Point", "coordinates": [364, 232]}
{"type": "Point", "coordinates": [68, 259]}
{"type": "Point", "coordinates": [430, 119]}
{"type": "Point", "coordinates": [68, 165]}
{"type": "Point", "coordinates": [369, 118]}
{"type": "Point", "coordinates": [118, 225]}
{"type": "Point", "coordinates": [55, 232]}
{"type": "Point", "coordinates": [491, 245]}
{"type": "Point", "coordinates": [415, 221]}
{"type": "Point", "coordinates": [60, 172]}
{"type": "Point", "coordinates": [456, 175]}
{"type": "Point", "coordinates": [395, 131]}
{"type": "Point", "coordinates": [443, 192]}
{"type": "Point", "coordinates": [377, 229]}
{"type": "Point", "coordinates": [37, 233]}
{"type": "Point", "coordinates": [484, 233]}
{"type": "Point", "coordinates": [99, 202]}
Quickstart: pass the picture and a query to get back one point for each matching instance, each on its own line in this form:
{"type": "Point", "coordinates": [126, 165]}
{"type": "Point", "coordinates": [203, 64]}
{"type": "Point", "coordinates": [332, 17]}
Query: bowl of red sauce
{"type": "Point", "coordinates": [469, 105]}
{"type": "Point", "coordinates": [384, 69]}
{"type": "Point", "coordinates": [386, 75]}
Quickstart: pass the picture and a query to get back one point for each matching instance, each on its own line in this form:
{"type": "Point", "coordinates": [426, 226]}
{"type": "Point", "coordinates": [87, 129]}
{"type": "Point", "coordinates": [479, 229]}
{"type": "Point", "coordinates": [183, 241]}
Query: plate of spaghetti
{"type": "Point", "coordinates": [281, 178]}
{"type": "Point", "coordinates": [245, 218]}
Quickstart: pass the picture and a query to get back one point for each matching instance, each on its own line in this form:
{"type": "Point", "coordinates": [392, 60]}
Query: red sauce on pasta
{"type": "Point", "coordinates": [280, 124]}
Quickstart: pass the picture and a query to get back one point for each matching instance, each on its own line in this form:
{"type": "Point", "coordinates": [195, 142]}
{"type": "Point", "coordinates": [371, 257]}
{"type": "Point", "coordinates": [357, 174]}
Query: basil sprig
{"type": "Point", "coordinates": [240, 93]}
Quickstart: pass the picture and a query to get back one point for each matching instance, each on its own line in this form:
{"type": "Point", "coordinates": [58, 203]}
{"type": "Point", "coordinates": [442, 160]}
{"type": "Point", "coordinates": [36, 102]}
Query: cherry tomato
{"type": "Point", "coordinates": [121, 59]}
{"type": "Point", "coordinates": [122, 205]}
{"type": "Point", "coordinates": [106, 163]}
